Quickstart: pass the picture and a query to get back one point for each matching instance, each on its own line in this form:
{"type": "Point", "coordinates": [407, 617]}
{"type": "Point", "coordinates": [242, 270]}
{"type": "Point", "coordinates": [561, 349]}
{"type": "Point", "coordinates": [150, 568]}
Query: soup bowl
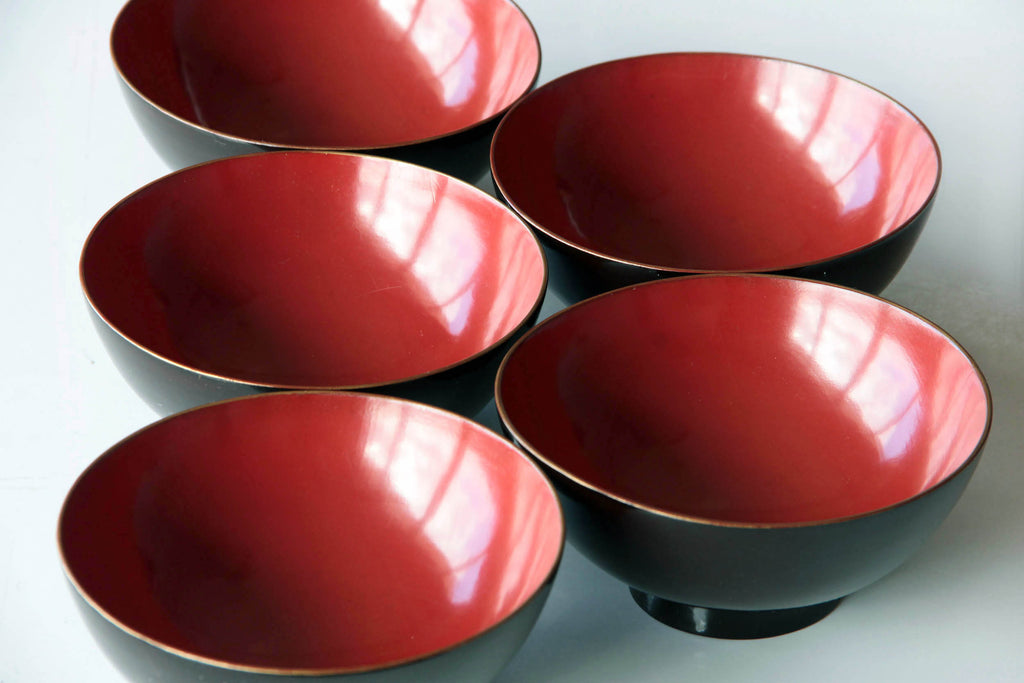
{"type": "Point", "coordinates": [744, 451]}
{"type": "Point", "coordinates": [310, 270]}
{"type": "Point", "coordinates": [420, 81]}
{"type": "Point", "coordinates": [672, 164]}
{"type": "Point", "coordinates": [289, 535]}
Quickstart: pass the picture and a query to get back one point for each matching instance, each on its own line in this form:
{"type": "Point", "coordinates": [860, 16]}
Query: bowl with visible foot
{"type": "Point", "coordinates": [744, 451]}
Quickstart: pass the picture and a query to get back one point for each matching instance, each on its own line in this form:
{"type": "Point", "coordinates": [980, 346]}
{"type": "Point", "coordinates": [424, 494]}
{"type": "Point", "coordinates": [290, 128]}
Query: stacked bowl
{"type": "Point", "coordinates": [726, 417]}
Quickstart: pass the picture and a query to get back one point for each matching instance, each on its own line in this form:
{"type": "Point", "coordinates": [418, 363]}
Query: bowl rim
{"type": "Point", "coordinates": [566, 244]}
{"type": "Point", "coordinates": [271, 145]}
{"type": "Point", "coordinates": [363, 397]}
{"type": "Point", "coordinates": [513, 331]}
{"type": "Point", "coordinates": [603, 493]}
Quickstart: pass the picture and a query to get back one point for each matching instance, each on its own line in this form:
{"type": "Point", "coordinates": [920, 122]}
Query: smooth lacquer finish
{"type": "Point", "coordinates": [310, 533]}
{"type": "Point", "coordinates": [695, 162]}
{"type": "Point", "coordinates": [746, 443]}
{"type": "Point", "coordinates": [747, 400]}
{"type": "Point", "coordinates": [340, 75]}
{"type": "Point", "coordinates": [312, 270]}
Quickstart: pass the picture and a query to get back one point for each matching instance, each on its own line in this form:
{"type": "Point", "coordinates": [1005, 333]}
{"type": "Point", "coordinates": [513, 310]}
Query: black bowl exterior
{"type": "Point", "coordinates": [577, 274]}
{"type": "Point", "coordinates": [732, 624]}
{"type": "Point", "coordinates": [170, 388]}
{"type": "Point", "coordinates": [477, 660]}
{"type": "Point", "coordinates": [873, 267]}
{"type": "Point", "coordinates": [750, 568]}
{"type": "Point", "coordinates": [181, 144]}
{"type": "Point", "coordinates": [166, 387]}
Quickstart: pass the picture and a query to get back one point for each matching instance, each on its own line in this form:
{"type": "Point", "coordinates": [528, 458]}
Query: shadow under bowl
{"type": "Point", "coordinates": [744, 451]}
{"type": "Point", "coordinates": [424, 82]}
{"type": "Point", "coordinates": [290, 535]}
{"type": "Point", "coordinates": [673, 164]}
{"type": "Point", "coordinates": [311, 270]}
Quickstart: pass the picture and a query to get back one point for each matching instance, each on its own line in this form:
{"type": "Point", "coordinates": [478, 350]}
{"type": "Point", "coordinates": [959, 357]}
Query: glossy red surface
{"type": "Point", "coordinates": [342, 74]}
{"type": "Point", "coordinates": [746, 399]}
{"type": "Point", "coordinates": [306, 269]}
{"type": "Point", "coordinates": [713, 162]}
{"type": "Point", "coordinates": [311, 531]}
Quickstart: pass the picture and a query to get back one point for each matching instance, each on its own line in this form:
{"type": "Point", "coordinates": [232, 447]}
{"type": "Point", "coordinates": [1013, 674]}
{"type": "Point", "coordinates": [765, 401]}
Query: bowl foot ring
{"type": "Point", "coordinates": [728, 623]}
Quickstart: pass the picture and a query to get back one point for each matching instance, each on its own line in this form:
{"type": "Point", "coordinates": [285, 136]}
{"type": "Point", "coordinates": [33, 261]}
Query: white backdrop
{"type": "Point", "coordinates": [955, 612]}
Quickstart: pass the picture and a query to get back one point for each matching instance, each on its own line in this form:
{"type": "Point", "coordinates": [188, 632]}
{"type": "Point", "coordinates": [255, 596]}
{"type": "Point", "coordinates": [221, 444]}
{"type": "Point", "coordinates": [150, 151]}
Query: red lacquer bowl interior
{"type": "Point", "coordinates": [713, 162]}
{"type": "Point", "coordinates": [746, 399]}
{"type": "Point", "coordinates": [310, 532]}
{"type": "Point", "coordinates": [340, 74]}
{"type": "Point", "coordinates": [308, 269]}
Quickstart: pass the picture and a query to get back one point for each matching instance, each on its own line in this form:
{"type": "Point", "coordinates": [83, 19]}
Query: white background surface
{"type": "Point", "coordinates": [955, 612]}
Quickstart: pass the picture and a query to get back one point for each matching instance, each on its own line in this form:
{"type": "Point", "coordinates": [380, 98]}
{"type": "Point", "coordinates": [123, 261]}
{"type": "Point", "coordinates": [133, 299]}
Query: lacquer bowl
{"type": "Point", "coordinates": [311, 270]}
{"type": "Point", "coordinates": [744, 451]}
{"type": "Point", "coordinates": [673, 164]}
{"type": "Point", "coordinates": [290, 535]}
{"type": "Point", "coordinates": [424, 81]}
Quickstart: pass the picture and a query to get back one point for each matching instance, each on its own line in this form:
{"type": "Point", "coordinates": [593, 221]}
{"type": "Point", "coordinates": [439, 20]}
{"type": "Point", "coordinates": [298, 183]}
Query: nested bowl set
{"type": "Point", "coordinates": [725, 416]}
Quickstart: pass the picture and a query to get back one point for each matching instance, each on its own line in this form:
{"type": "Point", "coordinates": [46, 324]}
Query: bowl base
{"type": "Point", "coordinates": [728, 623]}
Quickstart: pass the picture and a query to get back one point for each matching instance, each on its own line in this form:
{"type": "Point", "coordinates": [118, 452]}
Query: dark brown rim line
{"type": "Point", "coordinates": [707, 521]}
{"type": "Point", "coordinates": [702, 271]}
{"type": "Point", "coordinates": [548, 579]}
{"type": "Point", "coordinates": [278, 146]}
{"type": "Point", "coordinates": [534, 309]}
